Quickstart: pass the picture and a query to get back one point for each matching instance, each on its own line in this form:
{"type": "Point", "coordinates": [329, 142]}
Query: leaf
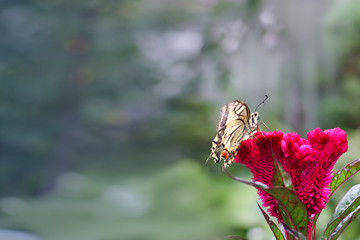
{"type": "Point", "coordinates": [274, 228]}
{"type": "Point", "coordinates": [294, 233]}
{"type": "Point", "coordinates": [343, 175]}
{"type": "Point", "coordinates": [346, 211]}
{"type": "Point", "coordinates": [281, 178]}
{"type": "Point", "coordinates": [292, 209]}
{"type": "Point", "coordinates": [339, 178]}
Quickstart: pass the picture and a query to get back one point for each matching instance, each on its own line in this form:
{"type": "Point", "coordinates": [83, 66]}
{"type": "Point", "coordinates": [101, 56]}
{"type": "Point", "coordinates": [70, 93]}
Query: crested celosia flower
{"type": "Point", "coordinates": [309, 163]}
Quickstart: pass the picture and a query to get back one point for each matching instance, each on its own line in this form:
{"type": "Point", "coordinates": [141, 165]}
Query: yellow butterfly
{"type": "Point", "coordinates": [235, 125]}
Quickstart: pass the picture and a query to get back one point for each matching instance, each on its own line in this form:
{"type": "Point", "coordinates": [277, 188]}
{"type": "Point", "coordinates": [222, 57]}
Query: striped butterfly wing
{"type": "Point", "coordinates": [232, 129]}
{"type": "Point", "coordinates": [217, 147]}
{"type": "Point", "coordinates": [237, 110]}
{"type": "Point", "coordinates": [236, 130]}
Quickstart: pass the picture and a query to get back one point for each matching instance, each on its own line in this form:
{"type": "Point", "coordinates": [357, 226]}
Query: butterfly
{"type": "Point", "coordinates": [235, 125]}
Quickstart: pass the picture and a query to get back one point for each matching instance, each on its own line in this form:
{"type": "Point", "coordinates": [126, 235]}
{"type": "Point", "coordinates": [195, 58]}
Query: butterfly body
{"type": "Point", "coordinates": [235, 125]}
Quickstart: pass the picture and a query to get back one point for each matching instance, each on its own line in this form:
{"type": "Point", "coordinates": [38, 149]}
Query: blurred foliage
{"type": "Point", "coordinates": [340, 107]}
{"type": "Point", "coordinates": [123, 91]}
{"type": "Point", "coordinates": [343, 109]}
{"type": "Point", "coordinates": [184, 202]}
{"type": "Point", "coordinates": [180, 201]}
{"type": "Point", "coordinates": [344, 34]}
{"type": "Point", "coordinates": [77, 87]}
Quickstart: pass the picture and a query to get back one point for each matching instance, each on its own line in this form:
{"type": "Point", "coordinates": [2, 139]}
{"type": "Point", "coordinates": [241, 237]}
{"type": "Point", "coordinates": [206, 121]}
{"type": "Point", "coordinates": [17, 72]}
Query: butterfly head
{"type": "Point", "coordinates": [253, 121]}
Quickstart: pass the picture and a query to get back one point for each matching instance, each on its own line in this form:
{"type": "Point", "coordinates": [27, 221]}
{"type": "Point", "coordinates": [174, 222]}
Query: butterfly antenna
{"type": "Point", "coordinates": [266, 97]}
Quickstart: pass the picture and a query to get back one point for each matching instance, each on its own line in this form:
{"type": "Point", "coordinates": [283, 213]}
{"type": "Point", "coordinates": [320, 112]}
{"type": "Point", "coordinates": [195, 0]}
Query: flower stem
{"type": "Point", "coordinates": [309, 231]}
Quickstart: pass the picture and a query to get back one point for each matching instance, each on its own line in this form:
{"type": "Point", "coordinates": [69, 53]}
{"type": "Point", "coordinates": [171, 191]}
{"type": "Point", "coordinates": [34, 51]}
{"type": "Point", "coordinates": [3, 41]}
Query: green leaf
{"type": "Point", "coordinates": [343, 175]}
{"type": "Point", "coordinates": [274, 228]}
{"type": "Point", "coordinates": [346, 211]}
{"type": "Point", "coordinates": [293, 211]}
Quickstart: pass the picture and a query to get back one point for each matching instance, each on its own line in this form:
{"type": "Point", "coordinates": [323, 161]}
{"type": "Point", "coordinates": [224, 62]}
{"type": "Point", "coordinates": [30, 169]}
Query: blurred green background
{"type": "Point", "coordinates": [108, 109]}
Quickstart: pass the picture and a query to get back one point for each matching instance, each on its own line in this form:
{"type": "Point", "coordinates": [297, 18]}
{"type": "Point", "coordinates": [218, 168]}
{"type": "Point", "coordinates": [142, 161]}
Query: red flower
{"type": "Point", "coordinates": [308, 162]}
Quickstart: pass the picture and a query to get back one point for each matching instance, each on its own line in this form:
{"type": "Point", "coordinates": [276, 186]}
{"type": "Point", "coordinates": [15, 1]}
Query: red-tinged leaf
{"type": "Point", "coordinates": [343, 175]}
{"type": "Point", "coordinates": [346, 211]}
{"type": "Point", "coordinates": [293, 234]}
{"type": "Point", "coordinates": [274, 228]}
{"type": "Point", "coordinates": [339, 178]}
{"type": "Point", "coordinates": [281, 178]}
{"type": "Point", "coordinates": [293, 211]}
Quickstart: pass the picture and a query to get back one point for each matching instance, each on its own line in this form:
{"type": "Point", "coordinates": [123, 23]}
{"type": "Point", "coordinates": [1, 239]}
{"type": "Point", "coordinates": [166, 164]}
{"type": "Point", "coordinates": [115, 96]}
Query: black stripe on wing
{"type": "Point", "coordinates": [234, 134]}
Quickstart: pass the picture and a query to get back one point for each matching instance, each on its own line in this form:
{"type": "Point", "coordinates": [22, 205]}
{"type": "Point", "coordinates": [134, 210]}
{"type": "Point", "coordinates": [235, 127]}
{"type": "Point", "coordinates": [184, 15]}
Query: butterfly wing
{"type": "Point", "coordinates": [237, 110]}
{"type": "Point", "coordinates": [232, 128]}
{"type": "Point", "coordinates": [233, 113]}
{"type": "Point", "coordinates": [237, 132]}
{"type": "Point", "coordinates": [216, 146]}
{"type": "Point", "coordinates": [216, 149]}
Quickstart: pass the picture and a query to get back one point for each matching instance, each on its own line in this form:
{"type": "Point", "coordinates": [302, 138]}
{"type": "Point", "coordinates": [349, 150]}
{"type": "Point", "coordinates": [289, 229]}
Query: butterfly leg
{"type": "Point", "coordinates": [262, 123]}
{"type": "Point", "coordinates": [207, 160]}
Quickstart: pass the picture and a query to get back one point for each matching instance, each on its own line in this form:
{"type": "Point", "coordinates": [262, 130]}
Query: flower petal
{"type": "Point", "coordinates": [309, 163]}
